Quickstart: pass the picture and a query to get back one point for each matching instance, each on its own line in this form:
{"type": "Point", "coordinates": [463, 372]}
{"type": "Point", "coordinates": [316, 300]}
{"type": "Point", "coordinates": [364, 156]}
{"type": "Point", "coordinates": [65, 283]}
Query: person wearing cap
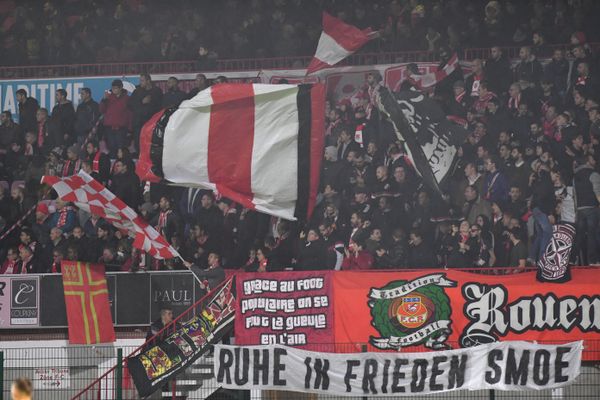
{"type": "Point", "coordinates": [41, 228]}
{"type": "Point", "coordinates": [117, 117]}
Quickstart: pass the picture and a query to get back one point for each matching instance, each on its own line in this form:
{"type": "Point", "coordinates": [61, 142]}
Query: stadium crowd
{"type": "Point", "coordinates": [36, 32]}
{"type": "Point", "coordinates": [528, 163]}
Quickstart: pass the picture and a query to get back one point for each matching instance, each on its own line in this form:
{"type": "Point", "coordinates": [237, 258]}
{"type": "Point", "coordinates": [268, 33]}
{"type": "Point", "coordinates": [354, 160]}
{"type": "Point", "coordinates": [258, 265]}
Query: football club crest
{"type": "Point", "coordinates": [410, 313]}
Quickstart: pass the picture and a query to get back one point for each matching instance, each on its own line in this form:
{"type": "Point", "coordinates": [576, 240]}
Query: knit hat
{"type": "Point", "coordinates": [42, 208]}
{"type": "Point", "coordinates": [117, 83]}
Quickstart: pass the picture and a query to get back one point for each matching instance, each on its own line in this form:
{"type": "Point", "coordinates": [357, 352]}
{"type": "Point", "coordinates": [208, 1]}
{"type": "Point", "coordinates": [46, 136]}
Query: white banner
{"type": "Point", "coordinates": [501, 366]}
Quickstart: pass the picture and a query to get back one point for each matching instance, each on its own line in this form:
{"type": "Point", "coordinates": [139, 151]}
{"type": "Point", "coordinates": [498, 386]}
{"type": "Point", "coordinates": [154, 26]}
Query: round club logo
{"type": "Point", "coordinates": [410, 313]}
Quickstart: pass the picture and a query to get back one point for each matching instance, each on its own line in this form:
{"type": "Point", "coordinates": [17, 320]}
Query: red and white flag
{"type": "Point", "coordinates": [256, 144]}
{"type": "Point", "coordinates": [91, 196]}
{"type": "Point", "coordinates": [433, 78]}
{"type": "Point", "coordinates": [338, 40]}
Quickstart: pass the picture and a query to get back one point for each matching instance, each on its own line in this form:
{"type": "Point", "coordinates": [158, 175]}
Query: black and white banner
{"type": "Point", "coordinates": [431, 141]}
{"type": "Point", "coordinates": [554, 264]}
{"type": "Point", "coordinates": [500, 366]}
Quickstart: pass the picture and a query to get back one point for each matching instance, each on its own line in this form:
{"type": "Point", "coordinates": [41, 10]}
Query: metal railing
{"type": "Point", "coordinates": [62, 373]}
{"type": "Point", "coordinates": [244, 64]}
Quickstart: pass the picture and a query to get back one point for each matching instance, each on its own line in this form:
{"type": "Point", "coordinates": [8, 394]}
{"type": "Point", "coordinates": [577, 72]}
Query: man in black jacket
{"type": "Point", "coordinates": [86, 116]}
{"type": "Point", "coordinates": [145, 101]}
{"type": "Point", "coordinates": [99, 163]}
{"type": "Point", "coordinates": [63, 115]}
{"type": "Point", "coordinates": [28, 107]}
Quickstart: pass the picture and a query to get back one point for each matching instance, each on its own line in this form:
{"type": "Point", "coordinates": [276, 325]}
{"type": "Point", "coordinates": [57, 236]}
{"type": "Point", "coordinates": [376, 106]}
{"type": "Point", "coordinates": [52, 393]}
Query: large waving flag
{"type": "Point", "coordinates": [259, 145]}
{"type": "Point", "coordinates": [431, 79]}
{"type": "Point", "coordinates": [430, 139]}
{"type": "Point", "coordinates": [90, 195]}
{"type": "Point", "coordinates": [338, 40]}
{"type": "Point", "coordinates": [86, 299]}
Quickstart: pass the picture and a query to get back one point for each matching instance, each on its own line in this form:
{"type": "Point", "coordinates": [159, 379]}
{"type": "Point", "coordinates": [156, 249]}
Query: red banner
{"type": "Point", "coordinates": [290, 308]}
{"type": "Point", "coordinates": [442, 309]}
{"type": "Point", "coordinates": [86, 299]}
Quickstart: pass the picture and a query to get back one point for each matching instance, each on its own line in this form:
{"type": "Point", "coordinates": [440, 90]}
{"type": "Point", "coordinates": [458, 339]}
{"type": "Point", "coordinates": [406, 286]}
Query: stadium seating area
{"type": "Point", "coordinates": [530, 160]}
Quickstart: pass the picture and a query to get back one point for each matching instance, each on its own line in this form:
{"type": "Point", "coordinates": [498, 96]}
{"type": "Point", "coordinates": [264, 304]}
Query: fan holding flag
{"type": "Point", "coordinates": [338, 40]}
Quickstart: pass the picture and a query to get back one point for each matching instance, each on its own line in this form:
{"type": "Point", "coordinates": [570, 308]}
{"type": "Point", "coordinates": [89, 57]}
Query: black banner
{"type": "Point", "coordinates": [431, 141]}
{"type": "Point", "coordinates": [165, 359]}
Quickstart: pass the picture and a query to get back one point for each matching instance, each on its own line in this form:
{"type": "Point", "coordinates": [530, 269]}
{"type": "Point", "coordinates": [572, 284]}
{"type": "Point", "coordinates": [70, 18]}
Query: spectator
{"type": "Point", "coordinates": [64, 217]}
{"type": "Point", "coordinates": [557, 71]}
{"type": "Point", "coordinates": [10, 132]}
{"type": "Point", "coordinates": [98, 162]}
{"type": "Point", "coordinates": [518, 251]}
{"type": "Point", "coordinates": [463, 249]}
{"type": "Point", "coordinates": [49, 135]}
{"type": "Point", "coordinates": [497, 71]}
{"type": "Point", "coordinates": [117, 117]}
{"type": "Point", "coordinates": [420, 254]}
{"type": "Point", "coordinates": [72, 164]}
{"type": "Point", "coordinates": [311, 255]}
{"type": "Point", "coordinates": [21, 389]}
{"type": "Point", "coordinates": [206, 60]}
{"type": "Point", "coordinates": [166, 317]}
{"type": "Point", "coordinates": [587, 197]}
{"type": "Point", "coordinates": [28, 263]}
{"type": "Point", "coordinates": [210, 277]}
{"type": "Point", "coordinates": [201, 83]}
{"type": "Point", "coordinates": [28, 107]}
{"type": "Point", "coordinates": [63, 115]}
{"type": "Point", "coordinates": [125, 184]}
{"type": "Point", "coordinates": [357, 258]}
{"type": "Point", "coordinates": [86, 116]}
{"type": "Point", "coordinates": [474, 205]}
{"type": "Point", "coordinates": [173, 96]}
{"type": "Point", "coordinates": [167, 221]}
{"type": "Point", "coordinates": [145, 101]}
{"type": "Point", "coordinates": [496, 186]}
{"type": "Point", "coordinates": [529, 70]}
{"type": "Point", "coordinates": [10, 265]}
{"type": "Point", "coordinates": [542, 205]}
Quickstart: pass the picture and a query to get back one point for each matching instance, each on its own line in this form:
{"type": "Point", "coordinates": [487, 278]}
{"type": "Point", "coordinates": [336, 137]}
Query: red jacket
{"type": "Point", "coordinates": [364, 260]}
{"type": "Point", "coordinates": [116, 112]}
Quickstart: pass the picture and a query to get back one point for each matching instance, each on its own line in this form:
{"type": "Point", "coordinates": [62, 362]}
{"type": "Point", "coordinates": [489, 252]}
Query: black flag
{"type": "Point", "coordinates": [431, 141]}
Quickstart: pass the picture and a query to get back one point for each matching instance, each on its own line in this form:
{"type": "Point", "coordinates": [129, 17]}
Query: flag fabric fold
{"type": "Point", "coordinates": [338, 40]}
{"type": "Point", "coordinates": [431, 79]}
{"type": "Point", "coordinates": [431, 141]}
{"type": "Point", "coordinates": [86, 300]}
{"type": "Point", "coordinates": [256, 144]}
{"type": "Point", "coordinates": [91, 196]}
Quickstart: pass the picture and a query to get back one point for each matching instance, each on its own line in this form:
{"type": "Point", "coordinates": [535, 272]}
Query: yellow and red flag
{"type": "Point", "coordinates": [86, 298]}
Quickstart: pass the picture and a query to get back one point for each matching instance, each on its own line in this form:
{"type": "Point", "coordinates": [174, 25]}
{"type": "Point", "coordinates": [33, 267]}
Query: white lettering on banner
{"type": "Point", "coordinates": [433, 279]}
{"type": "Point", "coordinates": [490, 316]}
{"type": "Point", "coordinates": [501, 366]}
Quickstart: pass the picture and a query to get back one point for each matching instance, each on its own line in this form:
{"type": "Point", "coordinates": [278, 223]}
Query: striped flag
{"type": "Point", "coordinates": [338, 40]}
{"type": "Point", "coordinates": [86, 299]}
{"type": "Point", "coordinates": [91, 196]}
{"type": "Point", "coordinates": [256, 144]}
{"type": "Point", "coordinates": [433, 78]}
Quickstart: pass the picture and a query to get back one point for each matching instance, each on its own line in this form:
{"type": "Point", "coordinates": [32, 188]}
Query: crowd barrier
{"type": "Point", "coordinates": [244, 64]}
